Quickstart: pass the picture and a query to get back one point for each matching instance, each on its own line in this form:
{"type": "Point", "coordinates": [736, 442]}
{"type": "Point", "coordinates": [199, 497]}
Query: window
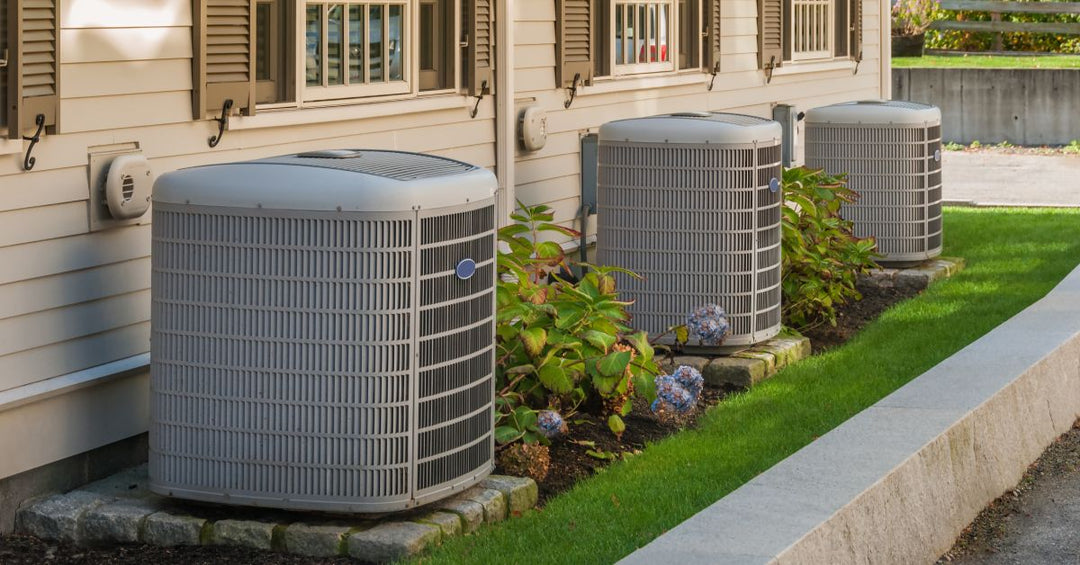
{"type": "Point", "coordinates": [808, 30]}
{"type": "Point", "coordinates": [288, 54]}
{"type": "Point", "coordinates": [633, 37]}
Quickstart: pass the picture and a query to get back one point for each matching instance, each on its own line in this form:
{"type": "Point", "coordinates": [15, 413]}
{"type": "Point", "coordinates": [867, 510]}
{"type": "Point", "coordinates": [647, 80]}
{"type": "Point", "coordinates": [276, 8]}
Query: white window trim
{"type": "Point", "coordinates": [829, 28]}
{"type": "Point", "coordinates": [351, 109]}
{"type": "Point", "coordinates": [815, 66]}
{"type": "Point", "coordinates": [608, 84]}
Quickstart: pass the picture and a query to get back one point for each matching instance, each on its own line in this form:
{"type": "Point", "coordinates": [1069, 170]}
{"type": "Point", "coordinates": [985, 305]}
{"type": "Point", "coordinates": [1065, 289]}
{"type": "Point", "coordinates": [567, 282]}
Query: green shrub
{"type": "Point", "coordinates": [821, 258]}
{"type": "Point", "coordinates": [561, 343]}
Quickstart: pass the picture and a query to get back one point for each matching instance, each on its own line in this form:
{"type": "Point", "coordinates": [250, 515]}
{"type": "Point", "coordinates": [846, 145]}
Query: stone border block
{"type": "Point", "coordinates": [449, 523]}
{"type": "Point", "coordinates": [471, 513]}
{"type": "Point", "coordinates": [748, 367]}
{"type": "Point", "coordinates": [115, 522]}
{"type": "Point", "coordinates": [521, 493]}
{"type": "Point", "coordinates": [918, 277]}
{"type": "Point", "coordinates": [735, 371]}
{"type": "Point", "coordinates": [244, 533]}
{"type": "Point", "coordinates": [393, 541]}
{"type": "Point", "coordinates": [493, 502]}
{"type": "Point", "coordinates": [168, 530]}
{"type": "Point", "coordinates": [316, 540]}
{"type": "Point", "coordinates": [57, 517]}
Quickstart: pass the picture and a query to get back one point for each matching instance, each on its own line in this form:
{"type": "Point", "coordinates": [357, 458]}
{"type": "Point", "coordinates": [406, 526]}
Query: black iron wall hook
{"type": "Point", "coordinates": [223, 122]}
{"type": "Point", "coordinates": [769, 69]}
{"type": "Point", "coordinates": [715, 71]}
{"type": "Point", "coordinates": [573, 90]}
{"type": "Point", "coordinates": [476, 107]}
{"type": "Point", "coordinates": [28, 161]}
{"type": "Point", "coordinates": [857, 61]}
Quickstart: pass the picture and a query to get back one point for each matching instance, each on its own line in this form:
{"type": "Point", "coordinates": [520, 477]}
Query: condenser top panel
{"type": "Point", "coordinates": [877, 112]}
{"type": "Point", "coordinates": [697, 128]}
{"type": "Point", "coordinates": [347, 180]}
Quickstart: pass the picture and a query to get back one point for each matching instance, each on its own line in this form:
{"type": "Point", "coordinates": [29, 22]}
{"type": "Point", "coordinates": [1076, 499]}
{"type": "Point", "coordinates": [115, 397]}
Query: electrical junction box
{"type": "Point", "coordinates": [791, 121]}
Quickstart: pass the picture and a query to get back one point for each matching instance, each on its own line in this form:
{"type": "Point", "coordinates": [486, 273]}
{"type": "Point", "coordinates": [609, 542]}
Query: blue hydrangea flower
{"type": "Point", "coordinates": [672, 395]}
{"type": "Point", "coordinates": [709, 324]}
{"type": "Point", "coordinates": [550, 424]}
{"type": "Point", "coordinates": [690, 379]}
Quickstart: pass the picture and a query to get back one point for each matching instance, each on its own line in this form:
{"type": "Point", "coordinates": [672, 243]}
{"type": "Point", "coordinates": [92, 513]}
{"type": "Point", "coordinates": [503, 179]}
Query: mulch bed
{"type": "Point", "coordinates": [570, 463]}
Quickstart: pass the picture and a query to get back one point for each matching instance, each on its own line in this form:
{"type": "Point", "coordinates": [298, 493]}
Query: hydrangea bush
{"type": "Point", "coordinates": [677, 394]}
{"type": "Point", "coordinates": [709, 324]}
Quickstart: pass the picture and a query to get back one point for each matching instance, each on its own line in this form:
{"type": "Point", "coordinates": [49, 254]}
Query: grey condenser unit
{"type": "Point", "coordinates": [691, 202]}
{"type": "Point", "coordinates": [322, 331]}
{"type": "Point", "coordinates": [891, 151]}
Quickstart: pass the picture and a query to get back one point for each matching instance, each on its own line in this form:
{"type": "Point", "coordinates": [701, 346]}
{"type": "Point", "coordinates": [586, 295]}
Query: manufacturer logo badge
{"type": "Point", "coordinates": [465, 269]}
{"type": "Point", "coordinates": [774, 184]}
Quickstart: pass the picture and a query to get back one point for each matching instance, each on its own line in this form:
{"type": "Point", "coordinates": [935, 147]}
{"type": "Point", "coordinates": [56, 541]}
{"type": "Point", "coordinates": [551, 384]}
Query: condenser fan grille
{"type": "Point", "coordinates": [896, 169]}
{"type": "Point", "coordinates": [701, 224]}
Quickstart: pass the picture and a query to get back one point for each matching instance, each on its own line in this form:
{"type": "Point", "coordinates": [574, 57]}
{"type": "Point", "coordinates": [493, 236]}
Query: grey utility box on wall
{"type": "Point", "coordinates": [323, 331]}
{"type": "Point", "coordinates": [891, 152]}
{"type": "Point", "coordinates": [692, 202]}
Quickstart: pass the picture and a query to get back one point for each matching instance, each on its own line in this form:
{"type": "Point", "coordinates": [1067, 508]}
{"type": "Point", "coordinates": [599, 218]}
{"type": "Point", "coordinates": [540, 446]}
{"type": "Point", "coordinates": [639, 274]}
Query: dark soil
{"type": "Point", "coordinates": [983, 535]}
{"type": "Point", "coordinates": [853, 316]}
{"type": "Point", "coordinates": [570, 462]}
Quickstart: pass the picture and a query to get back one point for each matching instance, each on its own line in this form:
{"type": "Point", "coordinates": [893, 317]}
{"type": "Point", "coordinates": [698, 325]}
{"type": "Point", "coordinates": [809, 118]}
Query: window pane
{"type": "Point", "coordinates": [641, 34]}
{"type": "Point", "coordinates": [356, 44]}
{"type": "Point", "coordinates": [665, 18]}
{"type": "Point", "coordinates": [335, 72]}
{"type": "Point", "coordinates": [313, 40]}
{"type": "Point", "coordinates": [620, 45]}
{"type": "Point", "coordinates": [428, 34]}
{"type": "Point", "coordinates": [396, 38]}
{"type": "Point", "coordinates": [262, 41]}
{"type": "Point", "coordinates": [375, 43]}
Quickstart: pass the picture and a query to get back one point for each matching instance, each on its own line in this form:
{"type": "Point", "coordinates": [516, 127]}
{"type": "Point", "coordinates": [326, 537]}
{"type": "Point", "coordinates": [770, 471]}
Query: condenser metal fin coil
{"type": "Point", "coordinates": [891, 152]}
{"type": "Point", "coordinates": [323, 331]}
{"type": "Point", "coordinates": [692, 203]}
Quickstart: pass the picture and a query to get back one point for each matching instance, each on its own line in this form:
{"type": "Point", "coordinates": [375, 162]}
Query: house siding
{"type": "Point", "coordinates": [72, 299]}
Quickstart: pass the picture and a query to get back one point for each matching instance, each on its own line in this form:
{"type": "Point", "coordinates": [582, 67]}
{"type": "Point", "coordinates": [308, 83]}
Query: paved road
{"type": "Point", "coordinates": [1019, 179]}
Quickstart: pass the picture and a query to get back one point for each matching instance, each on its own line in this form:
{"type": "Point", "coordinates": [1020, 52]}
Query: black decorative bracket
{"type": "Point", "coordinates": [476, 107]}
{"type": "Point", "coordinates": [857, 61]}
{"type": "Point", "coordinates": [769, 69]}
{"type": "Point", "coordinates": [28, 161]}
{"type": "Point", "coordinates": [715, 71]}
{"type": "Point", "coordinates": [223, 122]}
{"type": "Point", "coordinates": [574, 84]}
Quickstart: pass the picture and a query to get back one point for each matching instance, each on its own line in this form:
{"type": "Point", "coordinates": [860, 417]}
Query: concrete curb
{"type": "Point", "coordinates": [900, 480]}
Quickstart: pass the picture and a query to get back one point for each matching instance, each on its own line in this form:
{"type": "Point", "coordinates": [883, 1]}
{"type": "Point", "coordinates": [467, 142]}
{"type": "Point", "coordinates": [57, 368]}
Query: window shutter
{"type": "Point", "coordinates": [480, 55]}
{"type": "Point", "coordinates": [856, 12]}
{"type": "Point", "coordinates": [712, 40]}
{"type": "Point", "coordinates": [770, 33]}
{"type": "Point", "coordinates": [573, 38]}
{"type": "Point", "coordinates": [224, 65]}
{"type": "Point", "coordinates": [33, 67]}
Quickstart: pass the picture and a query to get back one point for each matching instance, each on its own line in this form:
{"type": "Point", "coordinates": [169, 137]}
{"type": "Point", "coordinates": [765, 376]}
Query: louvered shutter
{"type": "Point", "coordinates": [574, 43]}
{"type": "Point", "coordinates": [480, 26]}
{"type": "Point", "coordinates": [712, 39]}
{"type": "Point", "coordinates": [34, 80]}
{"type": "Point", "coordinates": [5, 53]}
{"type": "Point", "coordinates": [224, 65]}
{"type": "Point", "coordinates": [770, 33]}
{"type": "Point", "coordinates": [856, 29]}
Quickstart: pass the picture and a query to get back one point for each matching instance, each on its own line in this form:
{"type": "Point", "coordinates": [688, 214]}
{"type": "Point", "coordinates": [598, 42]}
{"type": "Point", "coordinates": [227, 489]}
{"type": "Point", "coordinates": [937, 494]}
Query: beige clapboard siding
{"type": "Point", "coordinates": [45, 222]}
{"type": "Point", "coordinates": [106, 45]}
{"type": "Point", "coordinates": [31, 331]}
{"type": "Point", "coordinates": [43, 188]}
{"type": "Point", "coordinates": [125, 13]}
{"type": "Point", "coordinates": [132, 110]}
{"type": "Point", "coordinates": [53, 256]}
{"type": "Point", "coordinates": [116, 78]}
{"type": "Point", "coordinates": [65, 289]}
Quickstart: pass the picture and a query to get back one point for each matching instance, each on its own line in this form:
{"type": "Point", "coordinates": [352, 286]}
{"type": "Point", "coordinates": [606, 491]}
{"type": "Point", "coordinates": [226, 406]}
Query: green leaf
{"type": "Point", "coordinates": [550, 251]}
{"type": "Point", "coordinates": [616, 424]}
{"type": "Point", "coordinates": [521, 370]}
{"type": "Point", "coordinates": [640, 342]}
{"type": "Point", "coordinates": [555, 379]}
{"type": "Point", "coordinates": [513, 230]}
{"type": "Point", "coordinates": [560, 229]}
{"type": "Point", "coordinates": [507, 434]}
{"type": "Point", "coordinates": [602, 341]}
{"type": "Point", "coordinates": [569, 316]}
{"type": "Point", "coordinates": [682, 334]}
{"type": "Point", "coordinates": [613, 364]}
{"type": "Point", "coordinates": [601, 454]}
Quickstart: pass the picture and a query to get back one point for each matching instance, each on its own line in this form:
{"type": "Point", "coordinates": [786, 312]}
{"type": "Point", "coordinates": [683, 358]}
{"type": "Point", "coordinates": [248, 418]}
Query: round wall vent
{"type": "Point", "coordinates": [127, 186]}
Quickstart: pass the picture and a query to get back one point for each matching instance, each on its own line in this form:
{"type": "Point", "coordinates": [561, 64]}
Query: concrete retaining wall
{"type": "Point", "coordinates": [900, 480]}
{"type": "Point", "coordinates": [1021, 106]}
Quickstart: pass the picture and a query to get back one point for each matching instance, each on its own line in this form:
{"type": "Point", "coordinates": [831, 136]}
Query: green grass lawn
{"type": "Point", "coordinates": [1014, 257]}
{"type": "Point", "coordinates": [989, 62]}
